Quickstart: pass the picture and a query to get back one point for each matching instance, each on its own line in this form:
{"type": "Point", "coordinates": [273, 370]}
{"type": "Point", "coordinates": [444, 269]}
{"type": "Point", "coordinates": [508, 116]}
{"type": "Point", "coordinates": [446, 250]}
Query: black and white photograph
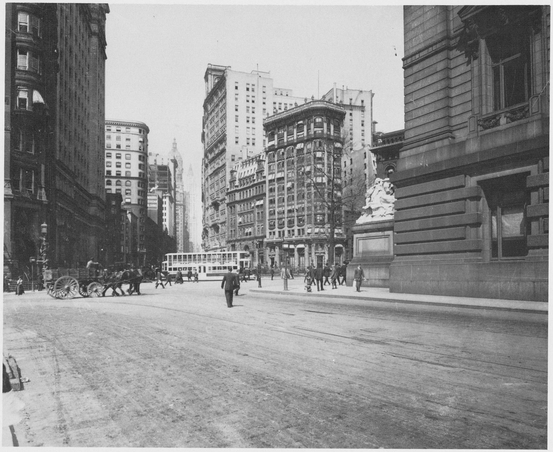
{"type": "Point", "coordinates": [276, 225]}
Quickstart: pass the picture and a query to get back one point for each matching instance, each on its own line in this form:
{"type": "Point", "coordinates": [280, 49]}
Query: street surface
{"type": "Point", "coordinates": [175, 367]}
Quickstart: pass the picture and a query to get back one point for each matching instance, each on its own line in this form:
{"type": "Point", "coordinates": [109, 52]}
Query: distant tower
{"type": "Point", "coordinates": [193, 210]}
{"type": "Point", "coordinates": [181, 229]}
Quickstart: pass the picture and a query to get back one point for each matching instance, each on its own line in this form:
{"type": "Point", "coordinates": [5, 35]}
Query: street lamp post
{"type": "Point", "coordinates": [44, 246]}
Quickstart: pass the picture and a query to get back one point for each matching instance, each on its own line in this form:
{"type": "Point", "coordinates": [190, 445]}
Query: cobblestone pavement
{"type": "Point", "coordinates": [176, 368]}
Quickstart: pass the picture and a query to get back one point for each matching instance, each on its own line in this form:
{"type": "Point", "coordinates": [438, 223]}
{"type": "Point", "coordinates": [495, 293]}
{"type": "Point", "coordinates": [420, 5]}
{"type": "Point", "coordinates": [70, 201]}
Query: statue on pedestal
{"type": "Point", "coordinates": [379, 203]}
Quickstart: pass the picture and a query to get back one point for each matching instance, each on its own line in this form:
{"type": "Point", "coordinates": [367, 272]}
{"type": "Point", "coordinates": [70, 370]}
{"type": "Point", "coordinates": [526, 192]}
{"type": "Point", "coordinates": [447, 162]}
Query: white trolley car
{"type": "Point", "coordinates": [210, 265]}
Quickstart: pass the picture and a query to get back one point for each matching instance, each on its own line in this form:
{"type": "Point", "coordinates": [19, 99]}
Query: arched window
{"type": "Point", "coordinates": [108, 182]}
{"type": "Point", "coordinates": [118, 183]}
{"type": "Point", "coordinates": [128, 183]}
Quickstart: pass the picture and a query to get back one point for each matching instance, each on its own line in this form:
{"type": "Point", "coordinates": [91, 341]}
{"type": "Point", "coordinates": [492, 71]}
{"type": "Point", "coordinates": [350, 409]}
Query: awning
{"type": "Point", "coordinates": [259, 202]}
{"type": "Point", "coordinates": [299, 146]}
{"type": "Point", "coordinates": [37, 98]}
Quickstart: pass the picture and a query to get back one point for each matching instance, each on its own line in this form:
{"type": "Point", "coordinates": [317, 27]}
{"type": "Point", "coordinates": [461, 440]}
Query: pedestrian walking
{"type": "Point", "coordinates": [159, 278]}
{"type": "Point", "coordinates": [189, 274]}
{"type": "Point", "coordinates": [272, 272]}
{"type": "Point", "coordinates": [237, 285]}
{"type": "Point", "coordinates": [358, 276]}
{"type": "Point", "coordinates": [137, 280]}
{"type": "Point", "coordinates": [343, 271]}
{"type": "Point", "coordinates": [196, 275]}
{"type": "Point", "coordinates": [178, 279]}
{"type": "Point", "coordinates": [167, 278]}
{"type": "Point", "coordinates": [229, 285]}
{"type": "Point", "coordinates": [6, 283]}
{"type": "Point", "coordinates": [19, 289]}
{"type": "Point", "coordinates": [326, 272]}
{"type": "Point", "coordinates": [284, 273]}
{"type": "Point", "coordinates": [334, 275]}
{"type": "Point", "coordinates": [319, 277]}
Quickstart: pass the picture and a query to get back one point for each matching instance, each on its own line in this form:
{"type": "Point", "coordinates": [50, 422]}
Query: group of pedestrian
{"type": "Point", "coordinates": [330, 275]}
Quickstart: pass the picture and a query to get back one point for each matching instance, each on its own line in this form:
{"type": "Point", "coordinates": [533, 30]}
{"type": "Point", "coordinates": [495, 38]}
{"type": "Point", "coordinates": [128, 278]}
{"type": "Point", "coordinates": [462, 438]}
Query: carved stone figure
{"type": "Point", "coordinates": [379, 203]}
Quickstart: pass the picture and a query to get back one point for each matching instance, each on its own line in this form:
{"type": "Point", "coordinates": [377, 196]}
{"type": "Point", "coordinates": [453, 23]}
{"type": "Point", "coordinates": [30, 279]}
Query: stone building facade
{"type": "Point", "coordinates": [246, 208]}
{"type": "Point", "coordinates": [126, 160]}
{"type": "Point", "coordinates": [472, 178]}
{"type": "Point", "coordinates": [54, 198]}
{"type": "Point", "coordinates": [303, 158]}
{"type": "Point", "coordinates": [234, 108]}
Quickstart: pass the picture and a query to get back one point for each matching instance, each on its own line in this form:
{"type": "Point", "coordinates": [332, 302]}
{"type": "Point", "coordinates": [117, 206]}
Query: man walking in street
{"type": "Point", "coordinates": [159, 278]}
{"type": "Point", "coordinates": [229, 284]}
{"type": "Point", "coordinates": [343, 272]}
{"type": "Point", "coordinates": [319, 277]}
{"type": "Point", "coordinates": [335, 275]}
{"type": "Point", "coordinates": [272, 272]}
{"type": "Point", "coordinates": [358, 276]}
{"type": "Point", "coordinates": [326, 272]}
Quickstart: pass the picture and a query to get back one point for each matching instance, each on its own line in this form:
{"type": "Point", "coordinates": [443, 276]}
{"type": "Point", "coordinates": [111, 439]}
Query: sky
{"type": "Point", "coordinates": [157, 56]}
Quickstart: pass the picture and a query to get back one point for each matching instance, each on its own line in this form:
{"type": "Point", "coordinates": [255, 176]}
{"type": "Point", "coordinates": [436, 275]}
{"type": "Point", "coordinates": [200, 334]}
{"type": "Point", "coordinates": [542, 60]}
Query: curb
{"type": "Point", "coordinates": [535, 307]}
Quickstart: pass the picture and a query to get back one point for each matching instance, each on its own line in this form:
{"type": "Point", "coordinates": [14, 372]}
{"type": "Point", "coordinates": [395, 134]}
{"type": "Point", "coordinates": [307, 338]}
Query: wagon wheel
{"type": "Point", "coordinates": [95, 289]}
{"type": "Point", "coordinates": [66, 287]}
{"type": "Point", "coordinates": [83, 289]}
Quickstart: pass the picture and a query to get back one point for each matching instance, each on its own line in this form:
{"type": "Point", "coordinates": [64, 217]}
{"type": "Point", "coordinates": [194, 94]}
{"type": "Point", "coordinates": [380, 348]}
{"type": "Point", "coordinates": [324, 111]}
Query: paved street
{"type": "Point", "coordinates": [176, 368]}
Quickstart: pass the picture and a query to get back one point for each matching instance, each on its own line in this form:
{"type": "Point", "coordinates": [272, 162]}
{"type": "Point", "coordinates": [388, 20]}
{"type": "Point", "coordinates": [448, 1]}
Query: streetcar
{"type": "Point", "coordinates": [209, 265]}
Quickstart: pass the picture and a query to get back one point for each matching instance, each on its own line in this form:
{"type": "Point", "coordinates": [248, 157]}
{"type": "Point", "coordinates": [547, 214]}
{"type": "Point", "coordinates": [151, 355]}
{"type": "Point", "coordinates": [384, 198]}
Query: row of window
{"type": "Point", "coordinates": [127, 165]}
{"type": "Point", "coordinates": [127, 129]}
{"type": "Point", "coordinates": [141, 175]}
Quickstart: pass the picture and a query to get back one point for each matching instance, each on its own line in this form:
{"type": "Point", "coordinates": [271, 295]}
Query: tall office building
{"type": "Point", "coordinates": [161, 181]}
{"type": "Point", "coordinates": [246, 208]}
{"type": "Point", "coordinates": [54, 197]}
{"type": "Point", "coordinates": [181, 221]}
{"type": "Point", "coordinates": [126, 158]}
{"type": "Point", "coordinates": [304, 187]}
{"type": "Point", "coordinates": [234, 108]}
{"type": "Point", "coordinates": [193, 212]}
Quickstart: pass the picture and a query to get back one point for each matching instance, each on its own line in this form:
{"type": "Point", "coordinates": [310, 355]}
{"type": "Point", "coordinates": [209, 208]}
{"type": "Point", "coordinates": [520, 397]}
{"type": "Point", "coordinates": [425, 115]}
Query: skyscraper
{"type": "Point", "coordinates": [181, 226]}
{"type": "Point", "coordinates": [126, 173]}
{"type": "Point", "coordinates": [234, 108]}
{"type": "Point", "coordinates": [54, 197]}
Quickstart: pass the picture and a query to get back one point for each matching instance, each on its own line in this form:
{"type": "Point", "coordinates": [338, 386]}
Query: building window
{"type": "Point", "coordinates": [23, 99]}
{"type": "Point", "coordinates": [507, 200]}
{"type": "Point", "coordinates": [510, 56]}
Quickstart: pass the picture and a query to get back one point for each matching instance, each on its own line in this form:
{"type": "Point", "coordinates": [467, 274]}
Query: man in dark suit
{"type": "Point", "coordinates": [228, 284]}
{"type": "Point", "coordinates": [319, 272]}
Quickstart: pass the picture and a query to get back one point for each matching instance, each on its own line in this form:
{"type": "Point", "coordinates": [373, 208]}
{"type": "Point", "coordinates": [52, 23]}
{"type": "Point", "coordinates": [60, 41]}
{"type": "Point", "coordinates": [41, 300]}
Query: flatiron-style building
{"type": "Point", "coordinates": [472, 210]}
{"type": "Point", "coordinates": [303, 159]}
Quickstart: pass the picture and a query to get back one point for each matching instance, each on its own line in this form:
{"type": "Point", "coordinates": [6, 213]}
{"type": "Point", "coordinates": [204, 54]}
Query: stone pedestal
{"type": "Point", "coordinates": [373, 249]}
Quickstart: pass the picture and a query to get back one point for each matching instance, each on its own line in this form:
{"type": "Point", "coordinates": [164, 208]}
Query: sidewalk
{"type": "Point", "coordinates": [297, 287]}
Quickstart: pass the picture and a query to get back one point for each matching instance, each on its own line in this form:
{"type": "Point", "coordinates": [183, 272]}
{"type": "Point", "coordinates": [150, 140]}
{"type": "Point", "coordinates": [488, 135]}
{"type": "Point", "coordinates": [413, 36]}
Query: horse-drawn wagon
{"type": "Point", "coordinates": [70, 282]}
